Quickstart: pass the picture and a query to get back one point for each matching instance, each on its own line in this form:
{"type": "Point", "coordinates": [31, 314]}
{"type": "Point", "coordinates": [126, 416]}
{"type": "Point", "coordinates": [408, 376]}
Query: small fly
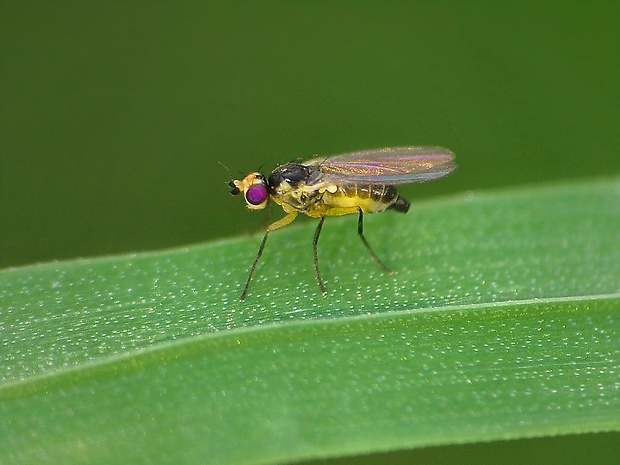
{"type": "Point", "coordinates": [357, 182]}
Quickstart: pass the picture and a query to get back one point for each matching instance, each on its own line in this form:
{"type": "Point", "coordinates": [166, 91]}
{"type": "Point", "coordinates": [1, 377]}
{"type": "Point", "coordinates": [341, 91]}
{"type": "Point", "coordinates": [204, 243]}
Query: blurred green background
{"type": "Point", "coordinates": [113, 115]}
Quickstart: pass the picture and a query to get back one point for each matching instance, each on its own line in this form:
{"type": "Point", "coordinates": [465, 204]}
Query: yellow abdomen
{"type": "Point", "coordinates": [369, 198]}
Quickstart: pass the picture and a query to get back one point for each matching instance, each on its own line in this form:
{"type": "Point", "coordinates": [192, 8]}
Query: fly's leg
{"type": "Point", "coordinates": [258, 255]}
{"type": "Point", "coordinates": [288, 219]}
{"type": "Point", "coordinates": [360, 233]}
{"type": "Point", "coordinates": [315, 243]}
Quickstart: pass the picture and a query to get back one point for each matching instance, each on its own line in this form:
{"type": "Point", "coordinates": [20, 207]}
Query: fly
{"type": "Point", "coordinates": [357, 182]}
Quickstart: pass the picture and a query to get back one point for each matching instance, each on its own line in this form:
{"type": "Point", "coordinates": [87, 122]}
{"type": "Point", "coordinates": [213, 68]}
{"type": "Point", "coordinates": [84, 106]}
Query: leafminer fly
{"type": "Point", "coordinates": [358, 182]}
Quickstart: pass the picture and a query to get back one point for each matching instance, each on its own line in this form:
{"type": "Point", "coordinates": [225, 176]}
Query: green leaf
{"type": "Point", "coordinates": [500, 321]}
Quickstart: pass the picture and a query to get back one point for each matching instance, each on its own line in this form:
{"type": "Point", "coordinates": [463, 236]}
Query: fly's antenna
{"type": "Point", "coordinates": [234, 190]}
{"type": "Point", "coordinates": [227, 170]}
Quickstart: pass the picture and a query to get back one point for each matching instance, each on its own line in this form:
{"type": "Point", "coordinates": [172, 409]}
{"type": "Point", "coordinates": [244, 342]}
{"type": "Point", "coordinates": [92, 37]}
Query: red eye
{"type": "Point", "coordinates": [256, 194]}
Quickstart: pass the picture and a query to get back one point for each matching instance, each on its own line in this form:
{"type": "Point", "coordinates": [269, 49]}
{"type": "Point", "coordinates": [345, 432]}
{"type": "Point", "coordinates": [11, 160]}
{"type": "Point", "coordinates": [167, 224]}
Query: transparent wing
{"type": "Point", "coordinates": [390, 165]}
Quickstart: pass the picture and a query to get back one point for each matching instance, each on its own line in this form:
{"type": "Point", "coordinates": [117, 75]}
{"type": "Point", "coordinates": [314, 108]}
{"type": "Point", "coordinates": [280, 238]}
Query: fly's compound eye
{"type": "Point", "coordinates": [256, 195]}
{"type": "Point", "coordinates": [255, 190]}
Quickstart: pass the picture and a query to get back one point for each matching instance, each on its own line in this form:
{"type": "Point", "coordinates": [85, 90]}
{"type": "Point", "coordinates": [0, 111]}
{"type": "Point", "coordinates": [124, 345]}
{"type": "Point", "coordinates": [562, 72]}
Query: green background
{"type": "Point", "coordinates": [114, 115]}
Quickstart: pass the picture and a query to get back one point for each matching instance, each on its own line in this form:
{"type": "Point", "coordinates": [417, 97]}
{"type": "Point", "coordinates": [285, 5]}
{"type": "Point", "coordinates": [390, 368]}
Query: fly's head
{"type": "Point", "coordinates": [255, 190]}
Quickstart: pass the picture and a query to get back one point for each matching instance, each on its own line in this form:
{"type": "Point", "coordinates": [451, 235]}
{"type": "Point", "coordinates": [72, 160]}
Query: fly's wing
{"type": "Point", "coordinates": [391, 165]}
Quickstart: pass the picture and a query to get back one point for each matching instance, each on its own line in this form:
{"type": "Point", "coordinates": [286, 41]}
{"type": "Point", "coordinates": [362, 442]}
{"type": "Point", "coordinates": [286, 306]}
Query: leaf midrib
{"type": "Point", "coordinates": [184, 345]}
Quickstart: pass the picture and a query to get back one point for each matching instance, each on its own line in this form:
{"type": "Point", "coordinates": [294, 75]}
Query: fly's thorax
{"type": "Point", "coordinates": [295, 185]}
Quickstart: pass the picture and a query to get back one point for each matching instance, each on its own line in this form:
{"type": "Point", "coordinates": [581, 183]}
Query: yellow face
{"type": "Point", "coordinates": [255, 190]}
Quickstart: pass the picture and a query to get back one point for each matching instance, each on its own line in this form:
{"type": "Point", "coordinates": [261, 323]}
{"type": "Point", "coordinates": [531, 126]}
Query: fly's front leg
{"type": "Point", "coordinates": [288, 219]}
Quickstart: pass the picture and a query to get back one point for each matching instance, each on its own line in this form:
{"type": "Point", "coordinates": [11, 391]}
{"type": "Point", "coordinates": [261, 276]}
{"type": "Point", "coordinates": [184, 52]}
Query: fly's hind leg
{"type": "Point", "coordinates": [339, 211]}
{"type": "Point", "coordinates": [360, 233]}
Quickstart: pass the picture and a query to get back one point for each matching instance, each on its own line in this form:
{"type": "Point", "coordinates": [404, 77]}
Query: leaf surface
{"type": "Point", "coordinates": [500, 321]}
